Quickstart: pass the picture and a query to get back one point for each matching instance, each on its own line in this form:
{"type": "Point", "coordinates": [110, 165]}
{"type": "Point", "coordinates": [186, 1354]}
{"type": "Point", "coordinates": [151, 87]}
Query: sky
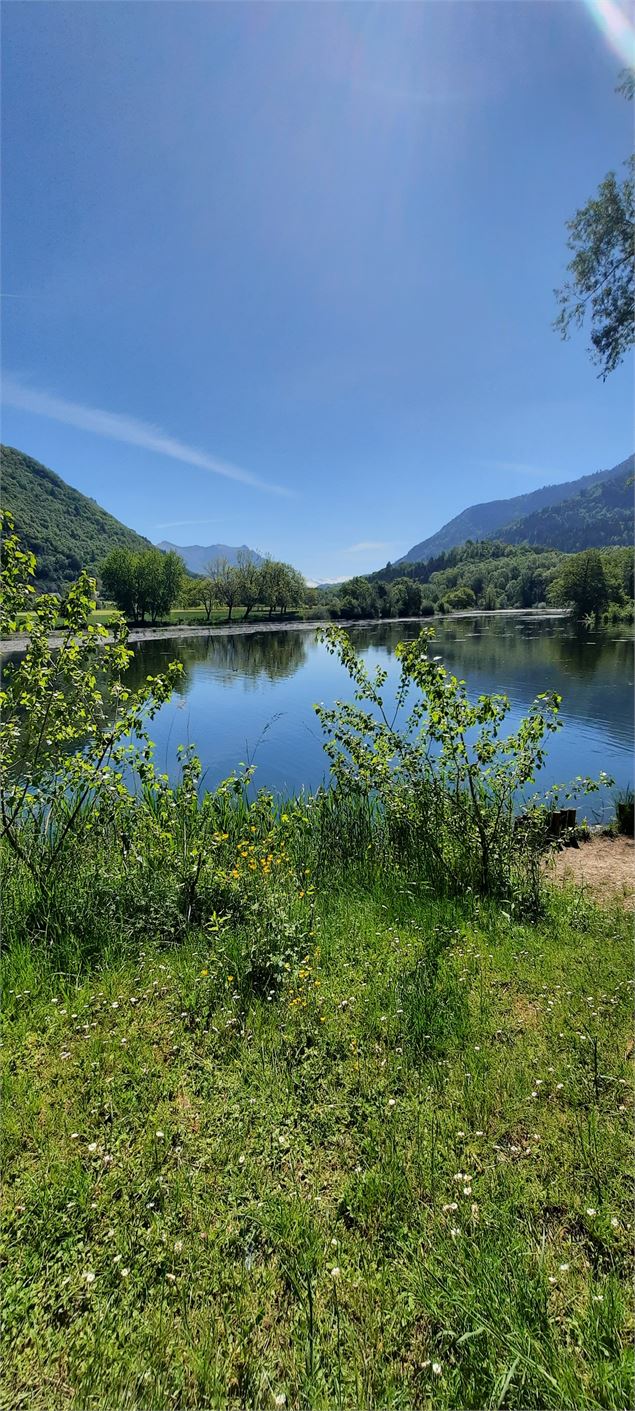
{"type": "Point", "coordinates": [282, 274]}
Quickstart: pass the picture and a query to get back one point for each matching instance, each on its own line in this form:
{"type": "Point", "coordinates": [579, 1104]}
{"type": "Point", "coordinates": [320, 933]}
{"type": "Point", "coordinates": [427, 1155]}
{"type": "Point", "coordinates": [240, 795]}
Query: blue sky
{"type": "Point", "coordinates": [283, 274]}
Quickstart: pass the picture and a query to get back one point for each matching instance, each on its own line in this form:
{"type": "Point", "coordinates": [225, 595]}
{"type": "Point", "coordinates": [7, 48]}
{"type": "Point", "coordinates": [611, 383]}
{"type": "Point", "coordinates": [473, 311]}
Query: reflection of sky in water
{"type": "Point", "coordinates": [250, 697]}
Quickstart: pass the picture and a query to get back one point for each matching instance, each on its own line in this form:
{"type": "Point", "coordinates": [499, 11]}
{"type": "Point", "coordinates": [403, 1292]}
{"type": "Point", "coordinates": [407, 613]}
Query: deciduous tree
{"type": "Point", "coordinates": [602, 268]}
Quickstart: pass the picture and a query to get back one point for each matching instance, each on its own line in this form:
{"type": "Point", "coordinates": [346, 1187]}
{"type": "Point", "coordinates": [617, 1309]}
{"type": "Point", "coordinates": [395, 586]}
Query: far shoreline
{"type": "Point", "coordinates": [136, 635]}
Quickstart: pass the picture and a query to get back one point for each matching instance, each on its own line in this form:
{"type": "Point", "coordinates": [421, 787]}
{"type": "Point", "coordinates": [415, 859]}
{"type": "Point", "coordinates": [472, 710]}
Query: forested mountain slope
{"type": "Point", "coordinates": [599, 517]}
{"type": "Point", "coordinates": [485, 521]}
{"type": "Point", "coordinates": [64, 529]}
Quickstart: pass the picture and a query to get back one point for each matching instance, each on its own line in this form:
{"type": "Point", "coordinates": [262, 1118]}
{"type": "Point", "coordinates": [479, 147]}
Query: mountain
{"type": "Point", "coordinates": [198, 557]}
{"type": "Point", "coordinates": [66, 530]}
{"type": "Point", "coordinates": [486, 521]}
{"type": "Point", "coordinates": [600, 517]}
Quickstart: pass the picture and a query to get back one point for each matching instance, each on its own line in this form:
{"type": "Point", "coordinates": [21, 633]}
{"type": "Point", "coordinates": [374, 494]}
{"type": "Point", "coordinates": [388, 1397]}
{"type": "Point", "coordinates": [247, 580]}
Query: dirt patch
{"type": "Point", "coordinates": [606, 865]}
{"type": "Point", "coordinates": [525, 1011]}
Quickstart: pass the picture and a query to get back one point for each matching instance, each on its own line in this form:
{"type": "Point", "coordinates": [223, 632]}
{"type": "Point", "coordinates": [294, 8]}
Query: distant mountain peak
{"type": "Point", "coordinates": [198, 557]}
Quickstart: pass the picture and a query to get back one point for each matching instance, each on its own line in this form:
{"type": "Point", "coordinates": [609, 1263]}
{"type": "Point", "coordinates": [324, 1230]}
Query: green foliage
{"type": "Point", "coordinates": [145, 584]}
{"type": "Point", "coordinates": [200, 592]}
{"type": "Point", "coordinates": [247, 584]}
{"type": "Point", "coordinates": [582, 583]}
{"type": "Point", "coordinates": [64, 529]}
{"type": "Point", "coordinates": [458, 599]}
{"type": "Point", "coordinates": [446, 778]}
{"type": "Point", "coordinates": [486, 575]}
{"type": "Point", "coordinates": [602, 268]}
{"type": "Point", "coordinates": [71, 729]}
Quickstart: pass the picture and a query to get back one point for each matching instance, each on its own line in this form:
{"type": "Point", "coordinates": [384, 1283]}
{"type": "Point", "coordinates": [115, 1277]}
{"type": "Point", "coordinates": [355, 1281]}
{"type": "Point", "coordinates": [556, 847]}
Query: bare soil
{"type": "Point", "coordinates": [605, 864]}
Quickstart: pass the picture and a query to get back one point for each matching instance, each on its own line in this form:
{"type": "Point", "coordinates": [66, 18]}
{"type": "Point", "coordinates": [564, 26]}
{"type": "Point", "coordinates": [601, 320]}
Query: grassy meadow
{"type": "Point", "coordinates": [398, 1178]}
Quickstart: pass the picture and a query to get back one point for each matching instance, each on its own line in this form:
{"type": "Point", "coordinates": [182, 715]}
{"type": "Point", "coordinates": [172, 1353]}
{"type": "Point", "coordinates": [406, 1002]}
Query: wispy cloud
{"type": "Point", "coordinates": [127, 429]}
{"type": "Point", "coordinates": [521, 468]}
{"type": "Point", "coordinates": [182, 523]}
{"type": "Point", "coordinates": [366, 544]}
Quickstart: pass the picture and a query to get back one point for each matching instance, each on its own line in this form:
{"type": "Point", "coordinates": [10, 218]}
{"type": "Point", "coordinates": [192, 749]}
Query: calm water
{"type": "Point", "coordinates": [250, 697]}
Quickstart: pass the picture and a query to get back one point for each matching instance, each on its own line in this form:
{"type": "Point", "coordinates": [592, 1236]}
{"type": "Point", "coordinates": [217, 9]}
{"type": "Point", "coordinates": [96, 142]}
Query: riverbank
{"type": "Point", "coordinates": [603, 863]}
{"type": "Point", "coordinates": [19, 641]}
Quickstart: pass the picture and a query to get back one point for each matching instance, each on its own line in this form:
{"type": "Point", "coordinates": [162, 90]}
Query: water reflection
{"type": "Point", "coordinates": [251, 695]}
{"type": "Point", "coordinates": [236, 687]}
{"type": "Point", "coordinates": [235, 659]}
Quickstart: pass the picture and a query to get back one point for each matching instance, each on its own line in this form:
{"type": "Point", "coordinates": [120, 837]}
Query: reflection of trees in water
{"type": "Point", "coordinates": [244, 656]}
{"type": "Point", "coordinates": [152, 659]}
{"type": "Point", "coordinates": [552, 653]}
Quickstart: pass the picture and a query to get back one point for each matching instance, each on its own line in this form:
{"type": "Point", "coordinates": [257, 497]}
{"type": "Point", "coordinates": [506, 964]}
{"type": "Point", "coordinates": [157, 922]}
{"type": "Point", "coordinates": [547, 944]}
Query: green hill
{"type": "Point", "coordinates": [487, 520]}
{"type": "Point", "coordinates": [600, 517]}
{"type": "Point", "coordinates": [65, 529]}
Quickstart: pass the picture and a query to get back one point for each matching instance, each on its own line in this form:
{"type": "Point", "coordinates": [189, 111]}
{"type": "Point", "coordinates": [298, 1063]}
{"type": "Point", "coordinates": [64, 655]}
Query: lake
{"type": "Point", "coordinates": [249, 697]}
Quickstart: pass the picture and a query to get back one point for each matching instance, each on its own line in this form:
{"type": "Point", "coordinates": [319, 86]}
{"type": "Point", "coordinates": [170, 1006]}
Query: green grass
{"type": "Point", "coordinates": [197, 617]}
{"type": "Point", "coordinates": [433, 1104]}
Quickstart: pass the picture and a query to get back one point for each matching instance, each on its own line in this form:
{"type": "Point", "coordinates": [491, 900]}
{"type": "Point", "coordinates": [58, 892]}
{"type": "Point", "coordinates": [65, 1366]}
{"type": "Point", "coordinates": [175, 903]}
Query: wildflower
{"type": "Point", "coordinates": [436, 1368]}
{"type": "Point", "coordinates": [74, 1136]}
{"type": "Point", "coordinates": [125, 1273]}
{"type": "Point", "coordinates": [454, 1231]}
{"type": "Point", "coordinates": [590, 1210]}
{"type": "Point", "coordinates": [335, 1272]}
{"type": "Point", "coordinates": [563, 1268]}
{"type": "Point", "coordinates": [452, 1206]}
{"type": "Point", "coordinates": [160, 1135]}
{"type": "Point", "coordinates": [280, 1399]}
{"type": "Point", "coordinates": [391, 1102]}
{"type": "Point", "coordinates": [92, 1146]}
{"type": "Point", "coordinates": [334, 1243]}
{"type": "Point", "coordinates": [204, 972]}
{"type": "Point", "coordinates": [89, 1277]}
{"type": "Point", "coordinates": [615, 1223]}
{"type": "Point", "coordinates": [551, 1279]}
{"type": "Point", "coordinates": [597, 1297]}
{"type": "Point", "coordinates": [171, 1278]}
{"type": "Point", "coordinates": [474, 1209]}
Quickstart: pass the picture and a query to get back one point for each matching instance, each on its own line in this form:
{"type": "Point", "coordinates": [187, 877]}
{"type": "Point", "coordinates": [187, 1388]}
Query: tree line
{"type": "Point", "coordinates": [486, 576]}
{"type": "Point", "coordinates": [492, 575]}
{"type": "Point", "coordinates": [147, 585]}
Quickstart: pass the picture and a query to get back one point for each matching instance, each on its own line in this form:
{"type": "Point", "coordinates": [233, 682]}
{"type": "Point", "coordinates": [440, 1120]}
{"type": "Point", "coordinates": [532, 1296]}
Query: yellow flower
{"type": "Point", "coordinates": [204, 972]}
{"type": "Point", "coordinates": [229, 979]}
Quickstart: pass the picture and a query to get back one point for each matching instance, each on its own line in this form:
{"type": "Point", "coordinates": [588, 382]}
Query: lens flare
{"type": "Point", "coordinates": [616, 22]}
